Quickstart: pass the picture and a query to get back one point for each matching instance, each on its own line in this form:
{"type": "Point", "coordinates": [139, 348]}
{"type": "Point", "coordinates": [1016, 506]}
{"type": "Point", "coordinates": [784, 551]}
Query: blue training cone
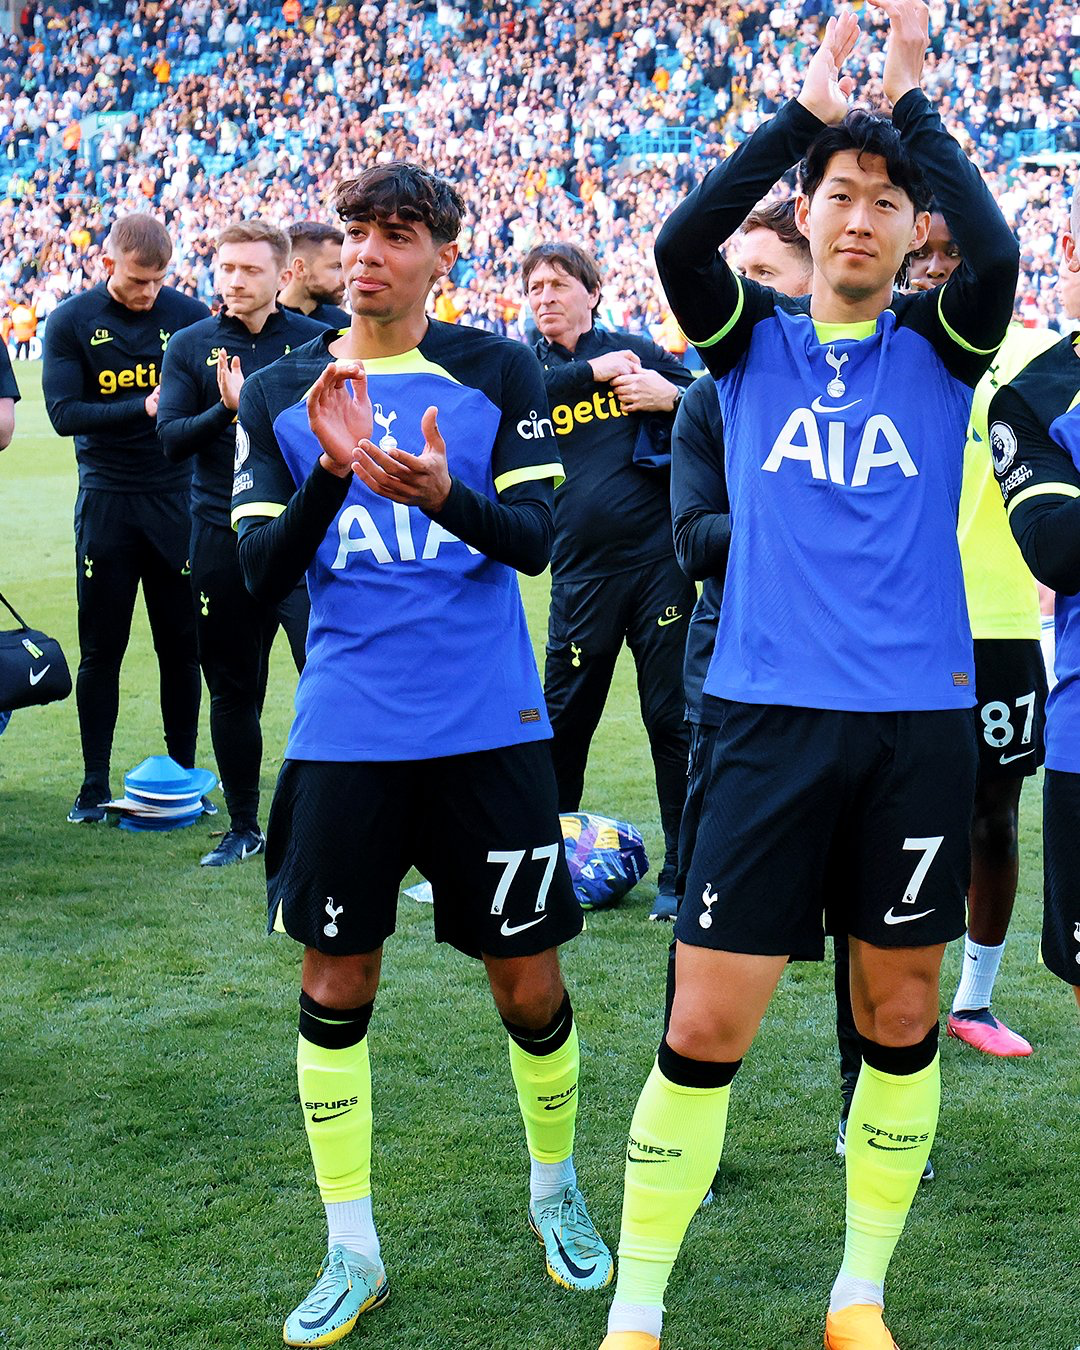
{"type": "Point", "coordinates": [160, 794]}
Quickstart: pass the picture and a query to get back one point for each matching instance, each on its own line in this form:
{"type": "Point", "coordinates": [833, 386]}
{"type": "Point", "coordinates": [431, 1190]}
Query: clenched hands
{"type": "Point", "coordinates": [421, 480]}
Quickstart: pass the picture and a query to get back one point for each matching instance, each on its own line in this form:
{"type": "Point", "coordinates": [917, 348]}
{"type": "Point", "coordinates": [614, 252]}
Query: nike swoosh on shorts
{"type": "Point", "coordinates": [508, 930]}
{"type": "Point", "coordinates": [891, 918]}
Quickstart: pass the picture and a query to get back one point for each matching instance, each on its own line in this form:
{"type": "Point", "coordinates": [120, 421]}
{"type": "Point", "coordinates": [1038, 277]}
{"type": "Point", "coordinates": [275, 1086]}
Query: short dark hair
{"type": "Point", "coordinates": [780, 218]}
{"type": "Point", "coordinates": [404, 190]}
{"type": "Point", "coordinates": [257, 231]}
{"type": "Point", "coordinates": [306, 236]}
{"type": "Point", "coordinates": [141, 237]}
{"type": "Point", "coordinates": [866, 134]}
{"type": "Point", "coordinates": [568, 258]}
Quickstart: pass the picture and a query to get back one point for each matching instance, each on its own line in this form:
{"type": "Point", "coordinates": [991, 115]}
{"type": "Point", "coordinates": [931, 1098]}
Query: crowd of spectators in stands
{"type": "Point", "coordinates": [547, 115]}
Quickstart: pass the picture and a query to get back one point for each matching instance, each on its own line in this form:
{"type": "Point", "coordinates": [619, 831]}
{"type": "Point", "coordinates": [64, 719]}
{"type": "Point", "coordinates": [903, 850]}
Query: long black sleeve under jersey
{"type": "Point", "coordinates": [700, 511]}
{"type": "Point", "coordinates": [275, 554]}
{"type": "Point", "coordinates": [717, 309]}
{"type": "Point", "coordinates": [701, 517]}
{"type": "Point", "coordinates": [1034, 423]}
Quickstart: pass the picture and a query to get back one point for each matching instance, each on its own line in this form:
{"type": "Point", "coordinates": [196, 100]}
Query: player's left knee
{"type": "Point", "coordinates": [900, 1060]}
{"type": "Point", "coordinates": [548, 1036]}
{"type": "Point", "coordinates": [898, 1022]}
{"type": "Point", "coordinates": [995, 832]}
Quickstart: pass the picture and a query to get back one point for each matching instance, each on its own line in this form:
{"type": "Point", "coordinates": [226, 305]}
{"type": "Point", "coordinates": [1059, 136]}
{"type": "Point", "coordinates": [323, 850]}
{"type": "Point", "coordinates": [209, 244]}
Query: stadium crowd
{"type": "Point", "coordinates": [555, 118]}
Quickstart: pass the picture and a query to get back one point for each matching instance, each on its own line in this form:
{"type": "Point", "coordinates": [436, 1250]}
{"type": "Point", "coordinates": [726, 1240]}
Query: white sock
{"type": "Point", "coordinates": [977, 976]}
{"type": "Point", "coordinates": [349, 1224]}
{"type": "Point", "coordinates": [550, 1178]}
{"type": "Point", "coordinates": [848, 1290]}
{"type": "Point", "coordinates": [635, 1317]}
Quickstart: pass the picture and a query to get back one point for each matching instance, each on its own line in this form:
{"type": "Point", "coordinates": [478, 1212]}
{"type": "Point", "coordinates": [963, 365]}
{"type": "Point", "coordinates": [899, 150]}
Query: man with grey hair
{"type": "Point", "coordinates": [614, 579]}
{"type": "Point", "coordinates": [102, 363]}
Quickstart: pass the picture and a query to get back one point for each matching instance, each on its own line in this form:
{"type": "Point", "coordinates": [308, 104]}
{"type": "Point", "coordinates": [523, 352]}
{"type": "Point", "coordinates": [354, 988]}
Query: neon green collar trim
{"type": "Point", "coordinates": [853, 332]}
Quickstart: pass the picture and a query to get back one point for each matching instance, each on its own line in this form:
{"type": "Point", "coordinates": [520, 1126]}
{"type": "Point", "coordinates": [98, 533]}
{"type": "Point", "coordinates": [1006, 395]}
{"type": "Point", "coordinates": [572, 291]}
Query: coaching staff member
{"type": "Point", "coordinates": [614, 577]}
{"type": "Point", "coordinates": [316, 285]}
{"type": "Point", "coordinates": [202, 376]}
{"type": "Point", "coordinates": [103, 353]}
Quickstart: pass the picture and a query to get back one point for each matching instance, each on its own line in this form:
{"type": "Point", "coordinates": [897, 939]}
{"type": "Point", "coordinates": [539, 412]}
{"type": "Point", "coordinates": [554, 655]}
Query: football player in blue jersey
{"type": "Point", "coordinates": [407, 468]}
{"type": "Point", "coordinates": [842, 770]}
{"type": "Point", "coordinates": [1010, 677]}
{"type": "Point", "coordinates": [1035, 439]}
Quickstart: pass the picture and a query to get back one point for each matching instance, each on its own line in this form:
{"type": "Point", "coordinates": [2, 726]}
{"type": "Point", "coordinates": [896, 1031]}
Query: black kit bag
{"type": "Point", "coordinates": [33, 668]}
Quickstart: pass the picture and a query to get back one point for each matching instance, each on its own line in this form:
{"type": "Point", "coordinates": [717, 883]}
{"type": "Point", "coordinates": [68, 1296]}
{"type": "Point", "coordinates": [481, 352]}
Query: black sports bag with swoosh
{"type": "Point", "coordinates": [33, 668]}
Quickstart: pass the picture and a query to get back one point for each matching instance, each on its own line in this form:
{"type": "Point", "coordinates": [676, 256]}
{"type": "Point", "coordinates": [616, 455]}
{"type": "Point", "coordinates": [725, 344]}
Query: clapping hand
{"type": "Point", "coordinates": [421, 480]}
{"type": "Point", "coordinates": [340, 418]}
{"type": "Point", "coordinates": [230, 379]}
{"type": "Point", "coordinates": [825, 91]}
{"type": "Point", "coordinates": [905, 51]}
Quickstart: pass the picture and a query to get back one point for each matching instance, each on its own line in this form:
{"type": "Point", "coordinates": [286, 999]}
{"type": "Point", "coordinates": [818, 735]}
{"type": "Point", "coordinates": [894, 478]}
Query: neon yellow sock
{"type": "Point", "coordinates": [890, 1130]}
{"type": "Point", "coordinates": [676, 1138]}
{"type": "Point", "coordinates": [547, 1090]}
{"type": "Point", "coordinates": [335, 1093]}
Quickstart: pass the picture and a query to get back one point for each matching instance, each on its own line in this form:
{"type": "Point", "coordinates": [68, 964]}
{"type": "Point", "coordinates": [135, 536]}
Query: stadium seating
{"type": "Point", "coordinates": [552, 119]}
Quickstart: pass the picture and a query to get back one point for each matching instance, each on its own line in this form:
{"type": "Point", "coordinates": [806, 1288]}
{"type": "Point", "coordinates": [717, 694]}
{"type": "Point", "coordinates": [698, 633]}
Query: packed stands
{"type": "Point", "coordinates": [554, 118]}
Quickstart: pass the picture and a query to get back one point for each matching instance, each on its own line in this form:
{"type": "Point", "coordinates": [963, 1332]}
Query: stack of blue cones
{"type": "Point", "coordinates": [160, 795]}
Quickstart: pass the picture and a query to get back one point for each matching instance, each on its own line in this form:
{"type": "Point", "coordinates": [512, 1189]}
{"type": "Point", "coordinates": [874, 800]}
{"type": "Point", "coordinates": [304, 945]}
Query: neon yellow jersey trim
{"type": "Point", "coordinates": [836, 332]}
{"type": "Point", "coordinates": [530, 474]}
{"type": "Point", "coordinates": [269, 510]}
{"type": "Point", "coordinates": [716, 337]}
{"type": "Point", "coordinates": [1044, 490]}
{"type": "Point", "coordinates": [960, 342]}
{"type": "Point", "coordinates": [406, 363]}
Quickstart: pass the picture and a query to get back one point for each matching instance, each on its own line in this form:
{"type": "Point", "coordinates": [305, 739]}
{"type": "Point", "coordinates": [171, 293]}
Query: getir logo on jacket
{"type": "Point", "coordinates": [599, 408]}
{"type": "Point", "coordinates": [141, 377]}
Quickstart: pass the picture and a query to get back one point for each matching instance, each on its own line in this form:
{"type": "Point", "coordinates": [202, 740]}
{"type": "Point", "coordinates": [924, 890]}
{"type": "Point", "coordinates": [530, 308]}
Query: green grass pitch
{"type": "Point", "coordinates": [155, 1186]}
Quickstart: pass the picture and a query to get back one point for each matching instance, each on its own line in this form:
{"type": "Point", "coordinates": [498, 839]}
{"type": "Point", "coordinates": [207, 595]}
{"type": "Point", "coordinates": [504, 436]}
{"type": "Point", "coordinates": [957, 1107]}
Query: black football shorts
{"type": "Point", "coordinates": [482, 827]}
{"type": "Point", "coordinates": [1061, 875]}
{"type": "Point", "coordinates": [860, 817]}
{"type": "Point", "coordinates": [1010, 684]}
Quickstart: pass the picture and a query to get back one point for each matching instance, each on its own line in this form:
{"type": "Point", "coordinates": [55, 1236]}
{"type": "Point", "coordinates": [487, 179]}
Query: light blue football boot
{"type": "Point", "coordinates": [577, 1257]}
{"type": "Point", "coordinates": [348, 1285]}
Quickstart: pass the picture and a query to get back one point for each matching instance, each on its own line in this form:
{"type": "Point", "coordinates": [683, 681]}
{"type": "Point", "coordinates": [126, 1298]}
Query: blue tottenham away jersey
{"type": "Point", "coordinates": [1035, 443]}
{"type": "Point", "coordinates": [844, 461]}
{"type": "Point", "coordinates": [417, 646]}
{"type": "Point", "coordinates": [1063, 705]}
